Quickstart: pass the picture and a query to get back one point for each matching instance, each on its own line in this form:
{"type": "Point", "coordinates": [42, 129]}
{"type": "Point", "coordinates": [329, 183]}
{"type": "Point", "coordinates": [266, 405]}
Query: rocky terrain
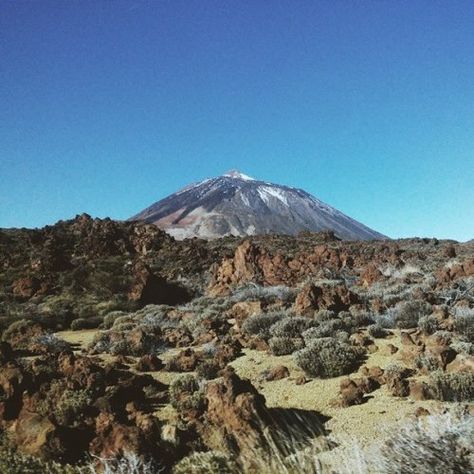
{"type": "Point", "coordinates": [236, 204]}
{"type": "Point", "coordinates": [125, 350]}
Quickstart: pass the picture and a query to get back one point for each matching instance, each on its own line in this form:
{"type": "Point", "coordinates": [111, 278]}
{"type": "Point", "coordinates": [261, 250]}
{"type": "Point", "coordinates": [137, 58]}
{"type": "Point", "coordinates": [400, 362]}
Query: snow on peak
{"type": "Point", "coordinates": [239, 175]}
{"type": "Point", "coordinates": [266, 192]}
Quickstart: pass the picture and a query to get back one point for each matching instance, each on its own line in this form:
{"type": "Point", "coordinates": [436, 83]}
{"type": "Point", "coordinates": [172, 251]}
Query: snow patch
{"type": "Point", "coordinates": [265, 192]}
{"type": "Point", "coordinates": [238, 175]}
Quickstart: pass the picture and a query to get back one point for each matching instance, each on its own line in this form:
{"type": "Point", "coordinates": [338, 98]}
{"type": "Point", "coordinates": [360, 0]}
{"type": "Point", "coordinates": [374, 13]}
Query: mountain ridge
{"type": "Point", "coordinates": [237, 204]}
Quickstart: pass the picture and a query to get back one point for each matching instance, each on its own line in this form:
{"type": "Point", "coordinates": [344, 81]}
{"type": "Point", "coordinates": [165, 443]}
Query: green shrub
{"type": "Point", "coordinates": [110, 318]}
{"type": "Point", "coordinates": [186, 394]}
{"type": "Point", "coordinates": [210, 462]}
{"type": "Point", "coordinates": [49, 344]}
{"type": "Point", "coordinates": [325, 329]}
{"type": "Point", "coordinates": [291, 326]}
{"type": "Point", "coordinates": [207, 370]}
{"type": "Point", "coordinates": [408, 313]}
{"type": "Point", "coordinates": [455, 387]}
{"type": "Point", "coordinates": [428, 324]}
{"type": "Point", "coordinates": [285, 345]}
{"type": "Point", "coordinates": [66, 406]}
{"type": "Point", "coordinates": [83, 323]}
{"type": "Point", "coordinates": [259, 324]}
{"type": "Point", "coordinates": [20, 333]}
{"type": "Point", "coordinates": [464, 323]}
{"type": "Point", "coordinates": [427, 363]}
{"type": "Point", "coordinates": [324, 315]}
{"type": "Point", "coordinates": [328, 357]}
{"type": "Point", "coordinates": [377, 331]}
{"type": "Point", "coordinates": [462, 347]}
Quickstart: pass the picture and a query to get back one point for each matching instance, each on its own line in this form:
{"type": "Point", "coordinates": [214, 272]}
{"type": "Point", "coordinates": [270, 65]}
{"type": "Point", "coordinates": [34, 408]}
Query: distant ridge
{"type": "Point", "coordinates": [237, 204]}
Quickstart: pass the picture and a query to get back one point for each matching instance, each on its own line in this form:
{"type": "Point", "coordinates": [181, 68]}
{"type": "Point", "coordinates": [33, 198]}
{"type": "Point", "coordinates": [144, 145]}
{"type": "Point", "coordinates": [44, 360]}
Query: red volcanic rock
{"type": "Point", "coordinates": [454, 272]}
{"type": "Point", "coordinates": [449, 251]}
{"type": "Point", "coordinates": [276, 373]}
{"type": "Point", "coordinates": [235, 411]}
{"type": "Point", "coordinates": [350, 394]}
{"type": "Point", "coordinates": [149, 363]}
{"type": "Point", "coordinates": [25, 288]}
{"type": "Point", "coordinates": [37, 435]}
{"type": "Point", "coordinates": [370, 275]}
{"type": "Point", "coordinates": [149, 288]}
{"type": "Point", "coordinates": [332, 297]}
{"type": "Point", "coordinates": [113, 439]}
{"type": "Point", "coordinates": [186, 361]}
{"type": "Point", "coordinates": [240, 269]}
{"type": "Point", "coordinates": [461, 363]}
{"type": "Point", "coordinates": [12, 384]}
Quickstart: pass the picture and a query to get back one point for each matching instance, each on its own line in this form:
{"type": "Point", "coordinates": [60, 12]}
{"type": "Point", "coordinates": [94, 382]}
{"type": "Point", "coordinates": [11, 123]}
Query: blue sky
{"type": "Point", "coordinates": [108, 106]}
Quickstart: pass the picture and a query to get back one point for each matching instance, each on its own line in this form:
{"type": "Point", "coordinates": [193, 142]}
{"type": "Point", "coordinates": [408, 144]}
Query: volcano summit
{"type": "Point", "coordinates": [236, 204]}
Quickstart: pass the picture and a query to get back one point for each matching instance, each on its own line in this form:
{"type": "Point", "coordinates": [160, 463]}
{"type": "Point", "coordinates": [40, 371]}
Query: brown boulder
{"type": "Point", "coordinates": [461, 363]}
{"type": "Point", "coordinates": [350, 394]}
{"type": "Point", "coordinates": [186, 361]}
{"type": "Point", "coordinates": [149, 363]}
{"type": "Point", "coordinates": [331, 297]}
{"type": "Point", "coordinates": [370, 275]}
{"type": "Point", "coordinates": [25, 288]}
{"type": "Point", "coordinates": [242, 268]}
{"type": "Point", "coordinates": [36, 435]}
{"type": "Point", "coordinates": [276, 373]}
{"type": "Point", "coordinates": [235, 413]}
{"type": "Point", "coordinates": [149, 288]}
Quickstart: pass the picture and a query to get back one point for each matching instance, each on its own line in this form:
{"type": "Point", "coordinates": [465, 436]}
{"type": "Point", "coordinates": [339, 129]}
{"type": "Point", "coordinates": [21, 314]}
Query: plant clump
{"type": "Point", "coordinates": [328, 357]}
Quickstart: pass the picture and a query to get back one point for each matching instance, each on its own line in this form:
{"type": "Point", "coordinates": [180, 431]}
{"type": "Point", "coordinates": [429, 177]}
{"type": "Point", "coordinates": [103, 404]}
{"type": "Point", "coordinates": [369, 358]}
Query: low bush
{"type": "Point", "coordinates": [265, 293]}
{"type": "Point", "coordinates": [21, 333]}
{"type": "Point", "coordinates": [291, 326]}
{"type": "Point", "coordinates": [432, 444]}
{"type": "Point", "coordinates": [66, 406]}
{"type": "Point", "coordinates": [110, 318]}
{"type": "Point", "coordinates": [328, 357]}
{"type": "Point", "coordinates": [186, 394]}
{"type": "Point", "coordinates": [428, 324]}
{"type": "Point", "coordinates": [464, 323]}
{"type": "Point", "coordinates": [427, 363]}
{"type": "Point", "coordinates": [83, 323]}
{"type": "Point", "coordinates": [408, 313]}
{"type": "Point", "coordinates": [285, 345]}
{"type": "Point", "coordinates": [324, 315]}
{"type": "Point", "coordinates": [461, 347]}
{"type": "Point", "coordinates": [49, 344]}
{"type": "Point", "coordinates": [207, 369]}
{"type": "Point", "coordinates": [15, 462]}
{"type": "Point", "coordinates": [325, 329]}
{"type": "Point", "coordinates": [377, 331]}
{"type": "Point", "coordinates": [442, 338]}
{"type": "Point", "coordinates": [453, 387]}
{"type": "Point", "coordinates": [405, 315]}
{"type": "Point", "coordinates": [259, 325]}
{"type": "Point", "coordinates": [210, 462]}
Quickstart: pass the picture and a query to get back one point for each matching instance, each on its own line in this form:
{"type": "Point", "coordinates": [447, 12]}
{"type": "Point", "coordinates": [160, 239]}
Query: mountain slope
{"type": "Point", "coordinates": [236, 204]}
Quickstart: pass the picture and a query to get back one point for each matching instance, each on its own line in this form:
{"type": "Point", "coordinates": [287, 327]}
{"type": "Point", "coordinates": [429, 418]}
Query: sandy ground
{"type": "Point", "coordinates": [366, 423]}
{"type": "Point", "coordinates": [79, 339]}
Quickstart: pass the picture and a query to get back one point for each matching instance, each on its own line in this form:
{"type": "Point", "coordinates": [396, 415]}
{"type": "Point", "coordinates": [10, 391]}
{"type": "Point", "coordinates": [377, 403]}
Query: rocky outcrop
{"type": "Point", "coordinates": [331, 297]}
{"type": "Point", "coordinates": [235, 415]}
{"type": "Point", "coordinates": [61, 407]}
{"type": "Point", "coordinates": [448, 274]}
{"type": "Point", "coordinates": [149, 288]}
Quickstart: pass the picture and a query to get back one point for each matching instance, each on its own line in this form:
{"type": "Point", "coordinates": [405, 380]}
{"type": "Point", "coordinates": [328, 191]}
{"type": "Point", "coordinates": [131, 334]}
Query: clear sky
{"type": "Point", "coordinates": [108, 106]}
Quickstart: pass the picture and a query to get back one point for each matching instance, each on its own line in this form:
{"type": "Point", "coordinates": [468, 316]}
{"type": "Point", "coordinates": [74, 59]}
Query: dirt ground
{"type": "Point", "coordinates": [365, 423]}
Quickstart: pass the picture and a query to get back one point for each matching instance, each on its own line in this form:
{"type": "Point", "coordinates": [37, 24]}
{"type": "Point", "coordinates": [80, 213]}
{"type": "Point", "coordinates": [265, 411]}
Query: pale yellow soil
{"type": "Point", "coordinates": [80, 339]}
{"type": "Point", "coordinates": [365, 422]}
